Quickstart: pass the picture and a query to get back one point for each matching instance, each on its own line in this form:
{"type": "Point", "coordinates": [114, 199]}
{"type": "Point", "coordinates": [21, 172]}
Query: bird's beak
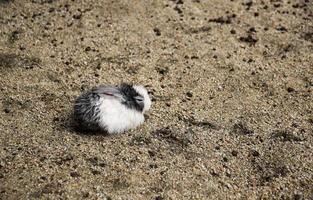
{"type": "Point", "coordinates": [142, 105]}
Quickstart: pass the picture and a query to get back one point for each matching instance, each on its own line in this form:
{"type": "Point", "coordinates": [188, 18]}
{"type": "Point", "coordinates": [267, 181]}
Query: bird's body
{"type": "Point", "coordinates": [113, 109]}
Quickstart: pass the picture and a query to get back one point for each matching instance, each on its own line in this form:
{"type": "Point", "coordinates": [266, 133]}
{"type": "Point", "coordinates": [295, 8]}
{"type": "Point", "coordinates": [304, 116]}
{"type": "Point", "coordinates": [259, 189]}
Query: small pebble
{"type": "Point", "coordinates": [234, 152]}
{"type": "Point", "coordinates": [7, 110]}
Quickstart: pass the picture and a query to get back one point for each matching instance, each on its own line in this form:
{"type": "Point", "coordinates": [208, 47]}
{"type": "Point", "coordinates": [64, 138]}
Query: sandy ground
{"type": "Point", "coordinates": [231, 83]}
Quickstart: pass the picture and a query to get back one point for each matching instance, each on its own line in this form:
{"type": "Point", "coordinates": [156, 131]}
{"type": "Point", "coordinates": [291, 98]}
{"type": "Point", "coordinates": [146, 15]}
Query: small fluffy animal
{"type": "Point", "coordinates": [113, 109]}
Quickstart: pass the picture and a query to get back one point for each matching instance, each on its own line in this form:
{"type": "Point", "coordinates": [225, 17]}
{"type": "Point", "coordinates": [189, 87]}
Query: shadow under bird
{"type": "Point", "coordinates": [112, 109]}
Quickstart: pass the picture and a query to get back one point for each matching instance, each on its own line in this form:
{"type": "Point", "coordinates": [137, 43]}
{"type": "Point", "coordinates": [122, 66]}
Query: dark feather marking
{"type": "Point", "coordinates": [86, 110]}
{"type": "Point", "coordinates": [130, 93]}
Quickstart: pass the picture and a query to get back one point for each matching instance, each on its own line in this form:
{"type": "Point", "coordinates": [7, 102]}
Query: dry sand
{"type": "Point", "coordinates": [231, 82]}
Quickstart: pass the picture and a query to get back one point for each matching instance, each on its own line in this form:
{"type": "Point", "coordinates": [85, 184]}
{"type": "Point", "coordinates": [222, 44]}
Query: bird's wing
{"type": "Point", "coordinates": [109, 92]}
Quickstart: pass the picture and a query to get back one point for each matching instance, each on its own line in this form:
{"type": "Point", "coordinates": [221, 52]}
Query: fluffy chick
{"type": "Point", "coordinates": [113, 109]}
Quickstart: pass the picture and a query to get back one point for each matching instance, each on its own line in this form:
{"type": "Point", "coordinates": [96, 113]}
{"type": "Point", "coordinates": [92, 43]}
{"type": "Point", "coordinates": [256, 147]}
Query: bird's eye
{"type": "Point", "coordinates": [138, 98]}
